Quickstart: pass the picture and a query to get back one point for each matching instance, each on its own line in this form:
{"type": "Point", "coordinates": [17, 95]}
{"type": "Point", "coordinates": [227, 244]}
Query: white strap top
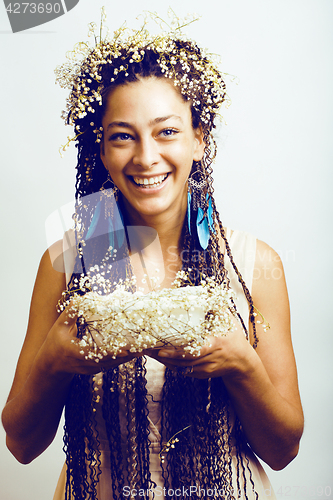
{"type": "Point", "coordinates": [243, 249]}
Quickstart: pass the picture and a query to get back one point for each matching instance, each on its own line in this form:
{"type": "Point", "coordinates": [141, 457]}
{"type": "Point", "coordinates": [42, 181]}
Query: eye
{"type": "Point", "coordinates": [120, 136]}
{"type": "Point", "coordinates": [168, 132]}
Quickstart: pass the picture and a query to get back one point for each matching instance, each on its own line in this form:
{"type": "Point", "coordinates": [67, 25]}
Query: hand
{"type": "Point", "coordinates": [219, 356]}
{"type": "Point", "coordinates": [61, 353]}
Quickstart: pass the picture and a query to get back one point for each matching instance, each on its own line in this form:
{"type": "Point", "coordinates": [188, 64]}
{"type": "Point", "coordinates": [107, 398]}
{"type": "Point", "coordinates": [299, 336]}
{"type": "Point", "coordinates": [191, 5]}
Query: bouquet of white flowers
{"type": "Point", "coordinates": [182, 316]}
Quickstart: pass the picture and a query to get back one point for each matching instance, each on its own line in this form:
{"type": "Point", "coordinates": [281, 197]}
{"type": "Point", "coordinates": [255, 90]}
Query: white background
{"type": "Point", "coordinates": [273, 178]}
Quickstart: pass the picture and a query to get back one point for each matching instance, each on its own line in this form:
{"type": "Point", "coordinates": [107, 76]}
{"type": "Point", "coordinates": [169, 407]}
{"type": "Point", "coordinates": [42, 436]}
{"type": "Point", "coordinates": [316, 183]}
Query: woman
{"type": "Point", "coordinates": [144, 108]}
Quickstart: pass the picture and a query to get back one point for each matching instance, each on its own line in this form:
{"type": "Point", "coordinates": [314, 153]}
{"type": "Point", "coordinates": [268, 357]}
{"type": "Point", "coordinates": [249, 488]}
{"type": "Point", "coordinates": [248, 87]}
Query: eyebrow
{"type": "Point", "coordinates": [164, 118]}
{"type": "Point", "coordinates": [160, 119]}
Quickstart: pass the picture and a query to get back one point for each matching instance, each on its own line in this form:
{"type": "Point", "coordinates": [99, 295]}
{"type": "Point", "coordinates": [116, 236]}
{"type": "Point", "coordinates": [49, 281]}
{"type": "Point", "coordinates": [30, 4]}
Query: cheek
{"type": "Point", "coordinates": [183, 151]}
{"type": "Point", "coordinates": [185, 157]}
{"type": "Point", "coordinates": [114, 160]}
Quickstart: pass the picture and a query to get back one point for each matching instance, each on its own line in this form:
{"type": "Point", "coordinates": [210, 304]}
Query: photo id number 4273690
{"type": "Point", "coordinates": [33, 8]}
{"type": "Point", "coordinates": [308, 491]}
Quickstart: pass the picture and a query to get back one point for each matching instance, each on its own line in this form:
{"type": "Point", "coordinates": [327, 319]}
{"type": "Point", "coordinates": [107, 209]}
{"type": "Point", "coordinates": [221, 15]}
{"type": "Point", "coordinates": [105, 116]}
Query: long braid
{"type": "Point", "coordinates": [241, 281]}
{"type": "Point", "coordinates": [81, 480]}
{"type": "Point", "coordinates": [216, 254]}
{"type": "Point", "coordinates": [179, 401]}
{"type": "Point", "coordinates": [221, 427]}
{"type": "Point", "coordinates": [142, 423]}
{"type": "Point", "coordinates": [110, 408]}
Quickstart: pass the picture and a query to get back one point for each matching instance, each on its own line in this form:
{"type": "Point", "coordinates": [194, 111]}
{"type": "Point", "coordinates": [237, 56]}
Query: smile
{"type": "Point", "coordinates": [150, 182]}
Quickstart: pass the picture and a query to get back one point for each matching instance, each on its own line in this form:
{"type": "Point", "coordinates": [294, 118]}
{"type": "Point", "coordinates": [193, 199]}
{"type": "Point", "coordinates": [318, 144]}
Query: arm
{"type": "Point", "coordinates": [34, 407]}
{"type": "Point", "coordinates": [46, 366]}
{"type": "Point", "coordinates": [268, 402]}
{"type": "Point", "coordinates": [262, 383]}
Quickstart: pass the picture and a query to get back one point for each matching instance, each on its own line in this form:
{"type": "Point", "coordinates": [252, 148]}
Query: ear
{"type": "Point", "coordinates": [199, 144]}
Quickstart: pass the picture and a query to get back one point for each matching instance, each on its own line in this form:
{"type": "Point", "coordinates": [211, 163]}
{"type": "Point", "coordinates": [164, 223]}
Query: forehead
{"type": "Point", "coordinates": [147, 97]}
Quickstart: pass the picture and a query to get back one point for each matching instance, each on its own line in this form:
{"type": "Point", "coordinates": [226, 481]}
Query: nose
{"type": "Point", "coordinates": [146, 153]}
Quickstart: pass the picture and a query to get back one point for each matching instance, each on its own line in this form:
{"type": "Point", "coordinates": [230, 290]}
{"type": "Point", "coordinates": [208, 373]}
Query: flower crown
{"type": "Point", "coordinates": [192, 69]}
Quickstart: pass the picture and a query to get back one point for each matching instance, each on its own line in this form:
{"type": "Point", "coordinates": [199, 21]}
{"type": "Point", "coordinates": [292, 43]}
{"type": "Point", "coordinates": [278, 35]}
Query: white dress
{"type": "Point", "coordinates": [243, 248]}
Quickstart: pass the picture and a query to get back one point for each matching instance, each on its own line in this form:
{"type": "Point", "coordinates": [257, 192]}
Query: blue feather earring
{"type": "Point", "coordinates": [202, 229]}
{"type": "Point", "coordinates": [94, 220]}
{"type": "Point", "coordinates": [197, 199]}
{"type": "Point", "coordinates": [118, 224]}
{"type": "Point", "coordinates": [189, 210]}
{"type": "Point", "coordinates": [115, 222]}
{"type": "Point", "coordinates": [205, 224]}
{"type": "Point", "coordinates": [112, 222]}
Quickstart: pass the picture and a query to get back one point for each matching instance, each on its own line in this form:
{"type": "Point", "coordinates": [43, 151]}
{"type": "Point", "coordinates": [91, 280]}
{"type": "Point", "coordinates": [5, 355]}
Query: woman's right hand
{"type": "Point", "coordinates": [61, 354]}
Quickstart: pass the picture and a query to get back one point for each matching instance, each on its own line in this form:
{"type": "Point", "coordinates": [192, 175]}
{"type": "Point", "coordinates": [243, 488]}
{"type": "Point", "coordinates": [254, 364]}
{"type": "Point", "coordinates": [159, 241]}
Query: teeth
{"type": "Point", "coordinates": [152, 181]}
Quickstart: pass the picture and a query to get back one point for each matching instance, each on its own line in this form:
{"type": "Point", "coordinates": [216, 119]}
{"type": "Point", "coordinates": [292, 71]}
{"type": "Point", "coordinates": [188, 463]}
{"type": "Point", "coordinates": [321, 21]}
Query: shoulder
{"type": "Point", "coordinates": [53, 258]}
{"type": "Point", "coordinates": [50, 281]}
{"type": "Point", "coordinates": [257, 257]}
{"type": "Point", "coordinates": [266, 255]}
{"type": "Point", "coordinates": [268, 285]}
{"type": "Point", "coordinates": [266, 261]}
{"type": "Point", "coordinates": [269, 289]}
{"type": "Point", "coordinates": [268, 268]}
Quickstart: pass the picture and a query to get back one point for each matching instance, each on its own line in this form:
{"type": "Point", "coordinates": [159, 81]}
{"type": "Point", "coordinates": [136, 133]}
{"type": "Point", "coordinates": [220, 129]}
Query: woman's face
{"type": "Point", "coordinates": [149, 145]}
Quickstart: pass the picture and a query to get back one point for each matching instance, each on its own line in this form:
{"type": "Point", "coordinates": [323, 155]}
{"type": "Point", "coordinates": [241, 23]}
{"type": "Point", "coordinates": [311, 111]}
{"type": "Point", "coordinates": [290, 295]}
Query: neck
{"type": "Point", "coordinates": [155, 245]}
{"type": "Point", "coordinates": [168, 226]}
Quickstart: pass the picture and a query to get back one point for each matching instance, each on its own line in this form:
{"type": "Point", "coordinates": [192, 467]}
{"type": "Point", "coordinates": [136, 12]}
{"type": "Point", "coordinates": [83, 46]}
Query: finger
{"type": "Point", "coordinates": [180, 353]}
{"type": "Point", "coordinates": [123, 354]}
{"type": "Point", "coordinates": [174, 353]}
{"type": "Point", "coordinates": [68, 320]}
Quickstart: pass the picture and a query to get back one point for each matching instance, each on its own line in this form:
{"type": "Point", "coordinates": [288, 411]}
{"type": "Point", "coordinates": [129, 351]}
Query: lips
{"type": "Point", "coordinates": [149, 182]}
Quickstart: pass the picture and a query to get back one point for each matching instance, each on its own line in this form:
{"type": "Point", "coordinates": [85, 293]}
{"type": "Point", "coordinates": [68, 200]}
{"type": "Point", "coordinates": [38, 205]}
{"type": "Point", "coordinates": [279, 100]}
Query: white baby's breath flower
{"type": "Point", "coordinates": [182, 316]}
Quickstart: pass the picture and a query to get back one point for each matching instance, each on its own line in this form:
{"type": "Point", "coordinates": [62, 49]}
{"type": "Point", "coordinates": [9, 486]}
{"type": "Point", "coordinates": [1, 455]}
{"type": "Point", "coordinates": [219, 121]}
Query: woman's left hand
{"type": "Point", "coordinates": [219, 356]}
